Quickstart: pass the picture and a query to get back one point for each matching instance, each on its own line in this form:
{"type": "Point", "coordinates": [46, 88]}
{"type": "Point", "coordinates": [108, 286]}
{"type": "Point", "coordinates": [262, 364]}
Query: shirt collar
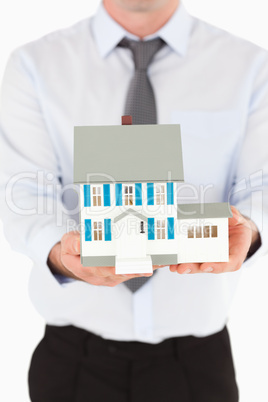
{"type": "Point", "coordinates": [108, 33]}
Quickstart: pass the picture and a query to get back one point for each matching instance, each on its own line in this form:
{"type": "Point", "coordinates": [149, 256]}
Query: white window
{"type": "Point", "coordinates": [160, 229]}
{"type": "Point", "coordinates": [97, 230]}
{"type": "Point", "coordinates": [160, 194]}
{"type": "Point", "coordinates": [202, 231]}
{"type": "Point", "coordinates": [96, 196]}
{"type": "Point", "coordinates": [128, 195]}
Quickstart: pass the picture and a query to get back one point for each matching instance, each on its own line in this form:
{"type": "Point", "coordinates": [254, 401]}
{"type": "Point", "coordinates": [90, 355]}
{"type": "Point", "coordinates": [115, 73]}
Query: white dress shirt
{"type": "Point", "coordinates": [214, 84]}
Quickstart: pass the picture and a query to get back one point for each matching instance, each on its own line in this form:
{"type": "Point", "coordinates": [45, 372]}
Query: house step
{"type": "Point", "coordinates": [133, 265]}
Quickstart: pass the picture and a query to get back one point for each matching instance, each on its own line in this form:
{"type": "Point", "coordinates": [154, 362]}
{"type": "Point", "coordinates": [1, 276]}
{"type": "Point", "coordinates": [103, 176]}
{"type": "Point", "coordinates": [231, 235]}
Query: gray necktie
{"type": "Point", "coordinates": [140, 102]}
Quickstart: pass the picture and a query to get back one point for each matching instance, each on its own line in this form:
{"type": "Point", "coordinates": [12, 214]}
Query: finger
{"type": "Point", "coordinates": [70, 243]}
{"type": "Point", "coordinates": [185, 268]}
{"type": "Point", "coordinates": [73, 264]}
{"type": "Point", "coordinates": [131, 276]}
{"type": "Point", "coordinates": [232, 265]}
{"type": "Point", "coordinates": [99, 273]}
{"type": "Point", "coordinates": [237, 218]}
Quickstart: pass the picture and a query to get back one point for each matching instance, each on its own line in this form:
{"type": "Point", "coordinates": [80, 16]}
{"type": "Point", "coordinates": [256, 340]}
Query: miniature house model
{"type": "Point", "coordinates": [128, 177]}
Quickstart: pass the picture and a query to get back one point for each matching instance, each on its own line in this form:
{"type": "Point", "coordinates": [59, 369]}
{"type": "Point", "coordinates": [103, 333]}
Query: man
{"type": "Point", "coordinates": [168, 340]}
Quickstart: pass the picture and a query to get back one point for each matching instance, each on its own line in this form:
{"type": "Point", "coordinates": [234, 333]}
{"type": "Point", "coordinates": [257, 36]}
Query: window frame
{"type": "Point", "coordinates": [96, 186]}
{"type": "Point", "coordinates": [158, 195]}
{"type": "Point", "coordinates": [127, 195]}
{"type": "Point", "coordinates": [193, 229]}
{"type": "Point", "coordinates": [161, 229]}
{"type": "Point", "coordinates": [97, 230]}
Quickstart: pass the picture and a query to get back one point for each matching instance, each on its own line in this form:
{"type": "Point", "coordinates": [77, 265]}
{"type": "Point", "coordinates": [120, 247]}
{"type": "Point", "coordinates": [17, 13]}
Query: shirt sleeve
{"type": "Point", "coordinates": [32, 211]}
{"type": "Point", "coordinates": [250, 191]}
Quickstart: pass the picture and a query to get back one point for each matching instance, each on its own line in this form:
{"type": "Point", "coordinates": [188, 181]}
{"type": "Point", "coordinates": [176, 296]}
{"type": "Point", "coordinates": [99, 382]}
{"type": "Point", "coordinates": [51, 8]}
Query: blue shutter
{"type": "Point", "coordinates": [138, 193]}
{"type": "Point", "coordinates": [150, 228]}
{"type": "Point", "coordinates": [118, 194]}
{"type": "Point", "coordinates": [88, 236]}
{"type": "Point", "coordinates": [150, 193]}
{"type": "Point", "coordinates": [170, 198]}
{"type": "Point", "coordinates": [106, 195]}
{"type": "Point", "coordinates": [170, 225]}
{"type": "Point", "coordinates": [87, 201]}
{"type": "Point", "coordinates": [107, 230]}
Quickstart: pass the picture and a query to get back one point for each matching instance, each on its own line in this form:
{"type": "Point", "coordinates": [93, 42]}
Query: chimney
{"type": "Point", "coordinates": [126, 120]}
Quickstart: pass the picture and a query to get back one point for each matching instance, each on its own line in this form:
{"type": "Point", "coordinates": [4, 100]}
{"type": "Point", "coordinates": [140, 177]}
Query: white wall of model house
{"type": "Point", "coordinates": [130, 223]}
{"type": "Point", "coordinates": [202, 240]}
{"type": "Point", "coordinates": [192, 240]}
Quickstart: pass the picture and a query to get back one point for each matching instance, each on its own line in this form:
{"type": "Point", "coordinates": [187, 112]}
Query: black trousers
{"type": "Point", "coordinates": [73, 365]}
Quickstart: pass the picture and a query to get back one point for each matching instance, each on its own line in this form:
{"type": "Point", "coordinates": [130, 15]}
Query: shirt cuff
{"type": "Point", "coordinates": [63, 280]}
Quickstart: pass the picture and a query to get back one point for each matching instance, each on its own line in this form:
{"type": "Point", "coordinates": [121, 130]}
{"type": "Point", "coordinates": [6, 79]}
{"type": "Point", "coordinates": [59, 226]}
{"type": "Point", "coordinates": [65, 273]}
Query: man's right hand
{"type": "Point", "coordinates": [64, 259]}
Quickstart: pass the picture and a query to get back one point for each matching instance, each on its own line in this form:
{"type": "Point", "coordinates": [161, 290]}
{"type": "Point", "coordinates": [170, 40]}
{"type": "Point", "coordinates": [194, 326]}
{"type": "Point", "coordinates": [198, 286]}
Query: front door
{"type": "Point", "coordinates": [131, 238]}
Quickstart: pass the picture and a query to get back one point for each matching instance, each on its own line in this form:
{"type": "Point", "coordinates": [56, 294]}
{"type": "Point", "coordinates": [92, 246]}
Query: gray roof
{"type": "Point", "coordinates": [204, 211]}
{"type": "Point", "coordinates": [129, 153]}
{"type": "Point", "coordinates": [132, 212]}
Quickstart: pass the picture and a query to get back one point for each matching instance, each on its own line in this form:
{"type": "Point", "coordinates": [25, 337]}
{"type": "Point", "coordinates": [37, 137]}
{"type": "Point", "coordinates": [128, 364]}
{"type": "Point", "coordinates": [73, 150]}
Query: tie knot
{"type": "Point", "coordinates": [143, 51]}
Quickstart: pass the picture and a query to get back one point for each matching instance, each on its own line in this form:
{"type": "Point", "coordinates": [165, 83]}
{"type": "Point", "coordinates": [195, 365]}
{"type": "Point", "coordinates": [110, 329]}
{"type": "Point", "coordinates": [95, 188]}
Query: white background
{"type": "Point", "coordinates": [21, 326]}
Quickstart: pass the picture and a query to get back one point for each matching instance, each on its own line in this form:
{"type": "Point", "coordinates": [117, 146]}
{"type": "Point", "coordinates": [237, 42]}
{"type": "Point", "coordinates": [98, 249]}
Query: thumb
{"type": "Point", "coordinates": [237, 218]}
{"type": "Point", "coordinates": [70, 243]}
